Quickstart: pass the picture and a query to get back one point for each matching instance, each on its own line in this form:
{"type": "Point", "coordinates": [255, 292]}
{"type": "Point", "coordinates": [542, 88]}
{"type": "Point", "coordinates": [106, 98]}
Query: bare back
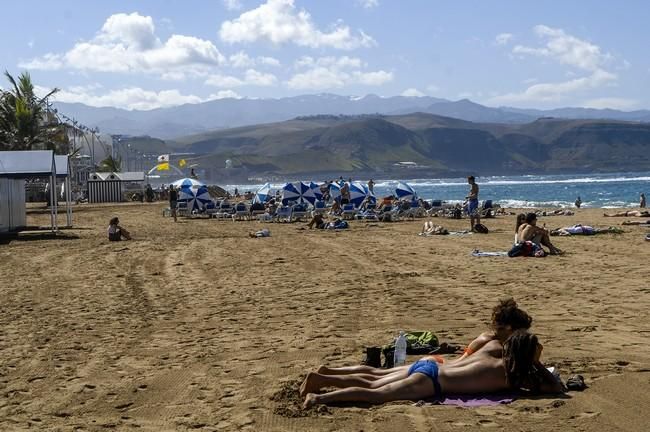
{"type": "Point", "coordinates": [482, 372]}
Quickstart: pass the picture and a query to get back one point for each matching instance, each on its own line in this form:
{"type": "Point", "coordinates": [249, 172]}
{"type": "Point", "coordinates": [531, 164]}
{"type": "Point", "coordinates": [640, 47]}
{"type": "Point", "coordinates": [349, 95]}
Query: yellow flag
{"type": "Point", "coordinates": [182, 163]}
{"type": "Point", "coordinates": [163, 166]}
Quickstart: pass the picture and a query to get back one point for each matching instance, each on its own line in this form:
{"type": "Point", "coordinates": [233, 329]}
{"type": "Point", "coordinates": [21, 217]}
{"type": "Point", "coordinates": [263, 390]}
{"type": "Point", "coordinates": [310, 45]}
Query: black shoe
{"type": "Point", "coordinates": [389, 358]}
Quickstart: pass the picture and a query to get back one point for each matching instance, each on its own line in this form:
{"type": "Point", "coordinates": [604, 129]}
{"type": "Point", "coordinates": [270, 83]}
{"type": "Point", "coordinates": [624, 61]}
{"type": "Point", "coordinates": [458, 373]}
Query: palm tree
{"type": "Point", "coordinates": [110, 164]}
{"type": "Point", "coordinates": [25, 121]}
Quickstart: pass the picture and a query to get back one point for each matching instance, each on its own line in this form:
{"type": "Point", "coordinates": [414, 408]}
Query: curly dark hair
{"type": "Point", "coordinates": [508, 313]}
{"type": "Point", "coordinates": [519, 361]}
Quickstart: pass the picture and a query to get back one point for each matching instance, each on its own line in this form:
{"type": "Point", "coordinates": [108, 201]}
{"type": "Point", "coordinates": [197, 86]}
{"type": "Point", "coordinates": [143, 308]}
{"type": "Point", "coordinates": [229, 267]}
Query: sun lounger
{"type": "Point", "coordinates": [319, 208]}
{"type": "Point", "coordinates": [298, 212]}
{"type": "Point", "coordinates": [241, 212]}
{"type": "Point", "coordinates": [283, 214]}
{"type": "Point", "coordinates": [225, 211]}
{"type": "Point", "coordinates": [349, 212]}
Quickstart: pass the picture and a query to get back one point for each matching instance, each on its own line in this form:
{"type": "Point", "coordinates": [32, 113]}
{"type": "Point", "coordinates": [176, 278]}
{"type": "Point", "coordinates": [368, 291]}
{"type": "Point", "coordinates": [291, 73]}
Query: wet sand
{"type": "Point", "coordinates": [195, 326]}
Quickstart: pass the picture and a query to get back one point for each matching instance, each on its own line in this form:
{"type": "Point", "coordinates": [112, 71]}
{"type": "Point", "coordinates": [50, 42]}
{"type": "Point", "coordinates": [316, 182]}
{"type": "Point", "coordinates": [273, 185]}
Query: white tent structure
{"type": "Point", "coordinates": [15, 168]}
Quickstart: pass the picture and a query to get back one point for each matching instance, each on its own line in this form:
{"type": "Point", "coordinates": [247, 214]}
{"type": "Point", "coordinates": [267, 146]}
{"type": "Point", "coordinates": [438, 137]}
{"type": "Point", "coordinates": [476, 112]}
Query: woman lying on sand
{"type": "Point", "coordinates": [636, 222]}
{"type": "Point", "coordinates": [629, 213]}
{"type": "Point", "coordinates": [506, 319]}
{"type": "Point", "coordinates": [512, 366]}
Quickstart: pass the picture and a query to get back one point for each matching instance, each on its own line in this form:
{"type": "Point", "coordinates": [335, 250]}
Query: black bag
{"type": "Point", "coordinates": [480, 228]}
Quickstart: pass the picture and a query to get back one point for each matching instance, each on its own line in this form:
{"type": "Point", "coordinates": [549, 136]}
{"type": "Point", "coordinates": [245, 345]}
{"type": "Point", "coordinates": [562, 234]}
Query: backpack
{"type": "Point", "coordinates": [480, 228]}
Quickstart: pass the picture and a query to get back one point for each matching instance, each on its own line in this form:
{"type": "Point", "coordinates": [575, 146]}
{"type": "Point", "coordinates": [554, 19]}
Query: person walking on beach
{"type": "Point", "coordinates": [472, 203]}
{"type": "Point", "coordinates": [642, 200]}
{"type": "Point", "coordinates": [173, 201]}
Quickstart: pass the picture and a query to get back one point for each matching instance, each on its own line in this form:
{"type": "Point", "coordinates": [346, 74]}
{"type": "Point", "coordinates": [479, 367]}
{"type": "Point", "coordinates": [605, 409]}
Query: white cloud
{"type": "Point", "coordinates": [432, 88]}
{"type": "Point", "coordinates": [131, 98]}
{"type": "Point", "coordinates": [232, 4]}
{"type": "Point", "coordinates": [503, 38]}
{"type": "Point", "coordinates": [613, 103]}
{"type": "Point", "coordinates": [412, 92]}
{"type": "Point", "coordinates": [368, 4]}
{"type": "Point", "coordinates": [334, 72]}
{"type": "Point", "coordinates": [128, 43]}
{"type": "Point", "coordinates": [251, 78]}
{"type": "Point", "coordinates": [243, 60]}
{"type": "Point", "coordinates": [582, 56]}
{"type": "Point", "coordinates": [279, 22]}
{"type": "Point", "coordinates": [373, 78]}
{"type": "Point", "coordinates": [566, 49]}
{"type": "Point", "coordinates": [555, 92]}
{"type": "Point", "coordinates": [224, 94]}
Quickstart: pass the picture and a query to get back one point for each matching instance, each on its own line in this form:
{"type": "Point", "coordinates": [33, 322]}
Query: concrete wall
{"type": "Point", "coordinates": [12, 204]}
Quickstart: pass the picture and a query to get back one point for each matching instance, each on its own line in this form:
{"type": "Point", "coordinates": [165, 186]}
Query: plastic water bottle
{"type": "Point", "coordinates": [400, 349]}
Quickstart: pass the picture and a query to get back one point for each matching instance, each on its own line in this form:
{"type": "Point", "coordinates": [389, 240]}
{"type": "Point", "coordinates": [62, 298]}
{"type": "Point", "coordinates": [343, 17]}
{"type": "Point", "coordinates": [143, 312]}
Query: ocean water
{"type": "Point", "coordinates": [595, 190]}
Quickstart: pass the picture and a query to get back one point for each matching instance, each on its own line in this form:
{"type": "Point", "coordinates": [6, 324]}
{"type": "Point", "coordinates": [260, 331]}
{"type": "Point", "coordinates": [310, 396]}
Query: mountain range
{"type": "Point", "coordinates": [419, 144]}
{"type": "Point", "coordinates": [189, 119]}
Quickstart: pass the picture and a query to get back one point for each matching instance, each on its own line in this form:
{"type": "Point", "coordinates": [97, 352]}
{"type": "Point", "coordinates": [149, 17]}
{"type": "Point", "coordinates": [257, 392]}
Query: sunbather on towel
{"type": "Point", "coordinates": [636, 222]}
{"type": "Point", "coordinates": [507, 317]}
{"type": "Point", "coordinates": [584, 230]}
{"type": "Point", "coordinates": [629, 213]}
{"type": "Point", "coordinates": [494, 368]}
{"type": "Point", "coordinates": [430, 228]}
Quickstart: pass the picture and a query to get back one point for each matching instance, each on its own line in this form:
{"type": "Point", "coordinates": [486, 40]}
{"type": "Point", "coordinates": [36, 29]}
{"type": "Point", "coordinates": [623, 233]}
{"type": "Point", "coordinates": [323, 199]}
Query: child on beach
{"type": "Point", "coordinates": [116, 232]}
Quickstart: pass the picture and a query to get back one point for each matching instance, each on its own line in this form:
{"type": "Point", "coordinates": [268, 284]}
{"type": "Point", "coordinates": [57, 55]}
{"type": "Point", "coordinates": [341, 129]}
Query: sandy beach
{"type": "Point", "coordinates": [196, 326]}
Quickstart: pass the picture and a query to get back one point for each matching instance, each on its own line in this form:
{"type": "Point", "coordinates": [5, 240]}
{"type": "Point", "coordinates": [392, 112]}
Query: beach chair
{"type": "Point", "coordinates": [349, 212]}
{"type": "Point", "coordinates": [211, 208]}
{"type": "Point", "coordinates": [256, 210]}
{"type": "Point", "coordinates": [182, 209]}
{"type": "Point", "coordinates": [283, 214]}
{"type": "Point", "coordinates": [241, 212]}
{"type": "Point", "coordinates": [388, 214]}
{"type": "Point", "coordinates": [298, 212]}
{"type": "Point", "coordinates": [225, 210]}
{"type": "Point", "coordinates": [319, 208]}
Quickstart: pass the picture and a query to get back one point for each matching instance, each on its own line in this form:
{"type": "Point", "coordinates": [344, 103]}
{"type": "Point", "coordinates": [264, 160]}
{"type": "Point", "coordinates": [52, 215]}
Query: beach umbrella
{"type": "Point", "coordinates": [263, 194]}
{"type": "Point", "coordinates": [335, 191]}
{"type": "Point", "coordinates": [358, 193]}
{"type": "Point", "coordinates": [316, 189]}
{"type": "Point", "coordinates": [196, 196]}
{"type": "Point", "coordinates": [297, 192]}
{"type": "Point", "coordinates": [405, 191]}
{"type": "Point", "coordinates": [187, 182]}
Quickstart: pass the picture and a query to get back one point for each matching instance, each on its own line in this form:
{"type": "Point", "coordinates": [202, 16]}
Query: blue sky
{"type": "Point", "coordinates": [149, 54]}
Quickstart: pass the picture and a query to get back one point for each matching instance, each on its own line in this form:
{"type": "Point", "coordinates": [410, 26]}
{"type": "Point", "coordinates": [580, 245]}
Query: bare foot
{"type": "Point", "coordinates": [310, 401]}
{"type": "Point", "coordinates": [323, 370]}
{"type": "Point", "coordinates": [310, 384]}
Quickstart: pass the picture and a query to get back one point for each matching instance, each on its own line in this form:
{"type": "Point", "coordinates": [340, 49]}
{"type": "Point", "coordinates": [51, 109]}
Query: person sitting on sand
{"type": "Point", "coordinates": [318, 221]}
{"type": "Point", "coordinates": [521, 219]}
{"type": "Point", "coordinates": [512, 366]}
{"type": "Point", "coordinates": [507, 318]}
{"type": "Point", "coordinates": [116, 232]}
{"type": "Point", "coordinates": [629, 213]}
{"type": "Point", "coordinates": [430, 228]}
{"type": "Point", "coordinates": [529, 231]}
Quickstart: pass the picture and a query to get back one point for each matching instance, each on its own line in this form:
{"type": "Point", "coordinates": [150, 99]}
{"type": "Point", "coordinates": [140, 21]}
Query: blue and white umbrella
{"type": "Point", "coordinates": [196, 196]}
{"type": "Point", "coordinates": [263, 194]}
{"type": "Point", "coordinates": [187, 182]}
{"type": "Point", "coordinates": [297, 192]}
{"type": "Point", "coordinates": [335, 191]}
{"type": "Point", "coordinates": [316, 189]}
{"type": "Point", "coordinates": [358, 193]}
{"type": "Point", "coordinates": [405, 191]}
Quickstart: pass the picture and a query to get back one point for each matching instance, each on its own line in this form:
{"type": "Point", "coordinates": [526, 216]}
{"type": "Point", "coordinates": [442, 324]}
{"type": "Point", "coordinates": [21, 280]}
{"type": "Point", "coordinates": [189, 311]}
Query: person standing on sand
{"type": "Point", "coordinates": [173, 201]}
{"type": "Point", "coordinates": [472, 203]}
{"type": "Point", "coordinates": [642, 200]}
{"type": "Point", "coordinates": [371, 186]}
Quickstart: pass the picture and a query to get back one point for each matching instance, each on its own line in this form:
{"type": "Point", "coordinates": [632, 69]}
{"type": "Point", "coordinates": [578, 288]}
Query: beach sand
{"type": "Point", "coordinates": [195, 326]}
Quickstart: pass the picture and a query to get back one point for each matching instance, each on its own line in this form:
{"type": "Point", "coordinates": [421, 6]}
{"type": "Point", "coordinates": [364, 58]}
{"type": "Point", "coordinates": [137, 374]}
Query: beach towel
{"type": "Point", "coordinates": [478, 253]}
{"type": "Point", "coordinates": [470, 401]}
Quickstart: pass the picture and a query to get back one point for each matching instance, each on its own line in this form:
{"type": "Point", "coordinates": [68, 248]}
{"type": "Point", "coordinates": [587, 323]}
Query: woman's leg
{"type": "Point", "coordinates": [414, 387]}
{"type": "Point", "coordinates": [369, 370]}
{"type": "Point", "coordinates": [315, 381]}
